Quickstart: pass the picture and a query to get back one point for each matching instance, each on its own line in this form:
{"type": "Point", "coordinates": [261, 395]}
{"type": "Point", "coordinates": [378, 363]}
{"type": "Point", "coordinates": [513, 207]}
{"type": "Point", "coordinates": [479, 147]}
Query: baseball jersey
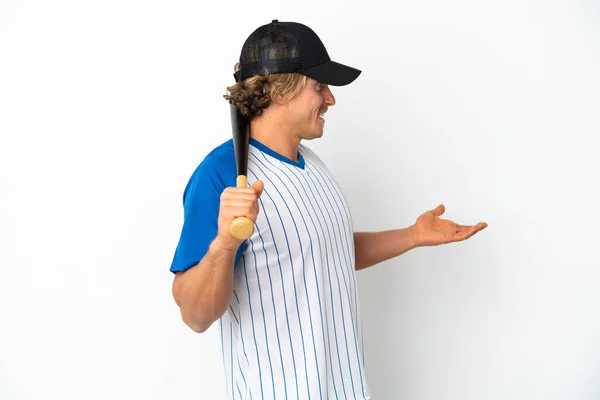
{"type": "Point", "coordinates": [293, 329]}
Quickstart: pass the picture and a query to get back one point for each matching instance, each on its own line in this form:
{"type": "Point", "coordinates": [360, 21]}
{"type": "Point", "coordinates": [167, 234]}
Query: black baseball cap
{"type": "Point", "coordinates": [284, 47]}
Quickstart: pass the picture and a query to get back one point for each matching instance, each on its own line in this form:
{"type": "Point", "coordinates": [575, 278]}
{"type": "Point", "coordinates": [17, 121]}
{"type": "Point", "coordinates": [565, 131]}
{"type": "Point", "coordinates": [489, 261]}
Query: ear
{"type": "Point", "coordinates": [280, 99]}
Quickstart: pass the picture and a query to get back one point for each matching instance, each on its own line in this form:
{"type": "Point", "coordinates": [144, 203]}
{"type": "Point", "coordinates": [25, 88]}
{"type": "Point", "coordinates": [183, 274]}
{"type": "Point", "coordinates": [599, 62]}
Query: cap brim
{"type": "Point", "coordinates": [332, 73]}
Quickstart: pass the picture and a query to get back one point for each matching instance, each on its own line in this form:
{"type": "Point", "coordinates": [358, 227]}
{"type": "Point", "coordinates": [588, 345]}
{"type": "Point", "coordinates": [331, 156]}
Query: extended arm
{"type": "Point", "coordinates": [429, 230]}
{"type": "Point", "coordinates": [371, 248]}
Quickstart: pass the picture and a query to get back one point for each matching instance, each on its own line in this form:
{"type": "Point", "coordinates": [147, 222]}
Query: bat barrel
{"type": "Point", "coordinates": [241, 139]}
{"type": "Point", "coordinates": [241, 227]}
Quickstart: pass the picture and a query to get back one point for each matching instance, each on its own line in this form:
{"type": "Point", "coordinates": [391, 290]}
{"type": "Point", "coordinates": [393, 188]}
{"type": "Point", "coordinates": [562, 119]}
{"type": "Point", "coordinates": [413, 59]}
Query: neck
{"type": "Point", "coordinates": [275, 136]}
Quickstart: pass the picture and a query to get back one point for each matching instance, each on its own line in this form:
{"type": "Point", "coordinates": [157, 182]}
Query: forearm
{"type": "Point", "coordinates": [204, 291]}
{"type": "Point", "coordinates": [374, 247]}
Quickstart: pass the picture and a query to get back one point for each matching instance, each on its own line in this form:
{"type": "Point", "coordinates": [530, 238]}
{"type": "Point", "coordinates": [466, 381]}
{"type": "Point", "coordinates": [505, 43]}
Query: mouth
{"type": "Point", "coordinates": [322, 115]}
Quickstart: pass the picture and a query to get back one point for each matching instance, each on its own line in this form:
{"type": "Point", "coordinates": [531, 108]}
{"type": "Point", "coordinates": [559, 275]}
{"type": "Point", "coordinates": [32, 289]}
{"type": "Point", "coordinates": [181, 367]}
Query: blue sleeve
{"type": "Point", "coordinates": [201, 200]}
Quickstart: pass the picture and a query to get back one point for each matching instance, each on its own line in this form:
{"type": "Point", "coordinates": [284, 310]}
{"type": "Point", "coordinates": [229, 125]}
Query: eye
{"type": "Point", "coordinates": [318, 86]}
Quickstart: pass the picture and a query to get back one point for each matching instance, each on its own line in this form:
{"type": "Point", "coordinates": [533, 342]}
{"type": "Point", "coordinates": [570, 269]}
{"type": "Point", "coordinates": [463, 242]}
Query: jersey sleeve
{"type": "Point", "coordinates": [201, 201]}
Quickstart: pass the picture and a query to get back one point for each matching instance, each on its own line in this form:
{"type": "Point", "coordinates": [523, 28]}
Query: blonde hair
{"type": "Point", "coordinates": [254, 94]}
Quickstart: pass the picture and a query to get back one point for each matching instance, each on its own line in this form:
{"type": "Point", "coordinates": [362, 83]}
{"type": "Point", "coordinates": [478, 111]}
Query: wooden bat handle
{"type": "Point", "coordinates": [242, 227]}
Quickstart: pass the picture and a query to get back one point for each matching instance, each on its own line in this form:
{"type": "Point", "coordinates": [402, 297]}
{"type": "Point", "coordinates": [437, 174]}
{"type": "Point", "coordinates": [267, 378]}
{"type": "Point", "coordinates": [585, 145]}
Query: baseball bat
{"type": "Point", "coordinates": [241, 227]}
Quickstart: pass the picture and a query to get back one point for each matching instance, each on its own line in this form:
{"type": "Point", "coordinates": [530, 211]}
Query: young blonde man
{"type": "Point", "coordinates": [286, 298]}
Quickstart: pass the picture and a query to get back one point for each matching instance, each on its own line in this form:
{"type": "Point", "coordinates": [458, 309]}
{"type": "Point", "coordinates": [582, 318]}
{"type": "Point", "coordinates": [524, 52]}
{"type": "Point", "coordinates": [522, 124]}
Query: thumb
{"type": "Point", "coordinates": [439, 210]}
{"type": "Point", "coordinates": [258, 187]}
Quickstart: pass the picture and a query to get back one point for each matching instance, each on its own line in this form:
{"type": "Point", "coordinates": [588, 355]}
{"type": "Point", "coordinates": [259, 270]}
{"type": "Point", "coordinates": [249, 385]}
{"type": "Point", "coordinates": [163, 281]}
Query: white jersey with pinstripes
{"type": "Point", "coordinates": [293, 330]}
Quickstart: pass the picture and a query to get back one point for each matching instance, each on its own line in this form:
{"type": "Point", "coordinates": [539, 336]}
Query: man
{"type": "Point", "coordinates": [286, 298]}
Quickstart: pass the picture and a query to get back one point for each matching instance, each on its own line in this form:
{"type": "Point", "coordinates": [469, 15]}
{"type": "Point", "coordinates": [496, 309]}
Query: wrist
{"type": "Point", "coordinates": [414, 239]}
{"type": "Point", "coordinates": [224, 244]}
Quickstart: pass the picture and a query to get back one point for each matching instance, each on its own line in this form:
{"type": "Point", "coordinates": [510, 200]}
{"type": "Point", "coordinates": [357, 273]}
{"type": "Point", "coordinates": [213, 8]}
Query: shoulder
{"type": "Point", "coordinates": [215, 172]}
{"type": "Point", "coordinates": [220, 156]}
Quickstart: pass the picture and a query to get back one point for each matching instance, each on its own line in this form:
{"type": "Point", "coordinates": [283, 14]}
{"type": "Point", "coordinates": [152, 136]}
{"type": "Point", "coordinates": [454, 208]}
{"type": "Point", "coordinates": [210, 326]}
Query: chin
{"type": "Point", "coordinates": [312, 135]}
{"type": "Point", "coordinates": [316, 135]}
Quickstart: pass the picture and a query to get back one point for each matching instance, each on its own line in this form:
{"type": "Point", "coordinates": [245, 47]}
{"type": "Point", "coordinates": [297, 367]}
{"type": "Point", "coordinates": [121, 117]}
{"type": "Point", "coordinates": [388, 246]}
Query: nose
{"type": "Point", "coordinates": [328, 97]}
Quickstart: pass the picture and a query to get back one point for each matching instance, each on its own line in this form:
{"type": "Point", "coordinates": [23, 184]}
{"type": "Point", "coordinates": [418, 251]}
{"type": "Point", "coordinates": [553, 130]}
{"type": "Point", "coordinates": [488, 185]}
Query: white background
{"type": "Point", "coordinates": [491, 108]}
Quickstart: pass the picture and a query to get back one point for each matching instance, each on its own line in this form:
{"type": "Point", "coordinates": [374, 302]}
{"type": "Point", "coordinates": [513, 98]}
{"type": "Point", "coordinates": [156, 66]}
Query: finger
{"type": "Point", "coordinates": [235, 212]}
{"type": "Point", "coordinates": [478, 227]}
{"type": "Point", "coordinates": [251, 196]}
{"type": "Point", "coordinates": [460, 236]}
{"type": "Point", "coordinates": [465, 233]}
{"type": "Point", "coordinates": [439, 210]}
{"type": "Point", "coordinates": [258, 187]}
{"type": "Point", "coordinates": [234, 190]}
{"type": "Point", "coordinates": [237, 202]}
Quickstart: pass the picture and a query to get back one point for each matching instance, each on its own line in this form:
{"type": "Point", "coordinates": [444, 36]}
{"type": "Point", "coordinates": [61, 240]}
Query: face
{"type": "Point", "coordinates": [304, 113]}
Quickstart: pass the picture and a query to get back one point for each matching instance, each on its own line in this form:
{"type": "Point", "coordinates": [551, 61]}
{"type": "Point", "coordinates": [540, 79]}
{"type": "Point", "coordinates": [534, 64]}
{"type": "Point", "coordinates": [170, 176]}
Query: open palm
{"type": "Point", "coordinates": [431, 230]}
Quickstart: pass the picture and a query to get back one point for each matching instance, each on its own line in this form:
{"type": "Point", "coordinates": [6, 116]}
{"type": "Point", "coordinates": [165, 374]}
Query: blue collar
{"type": "Point", "coordinates": [265, 149]}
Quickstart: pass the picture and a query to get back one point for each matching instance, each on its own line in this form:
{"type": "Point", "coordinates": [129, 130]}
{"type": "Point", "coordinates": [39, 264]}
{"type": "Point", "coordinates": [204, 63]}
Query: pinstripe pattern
{"type": "Point", "coordinates": [293, 328]}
